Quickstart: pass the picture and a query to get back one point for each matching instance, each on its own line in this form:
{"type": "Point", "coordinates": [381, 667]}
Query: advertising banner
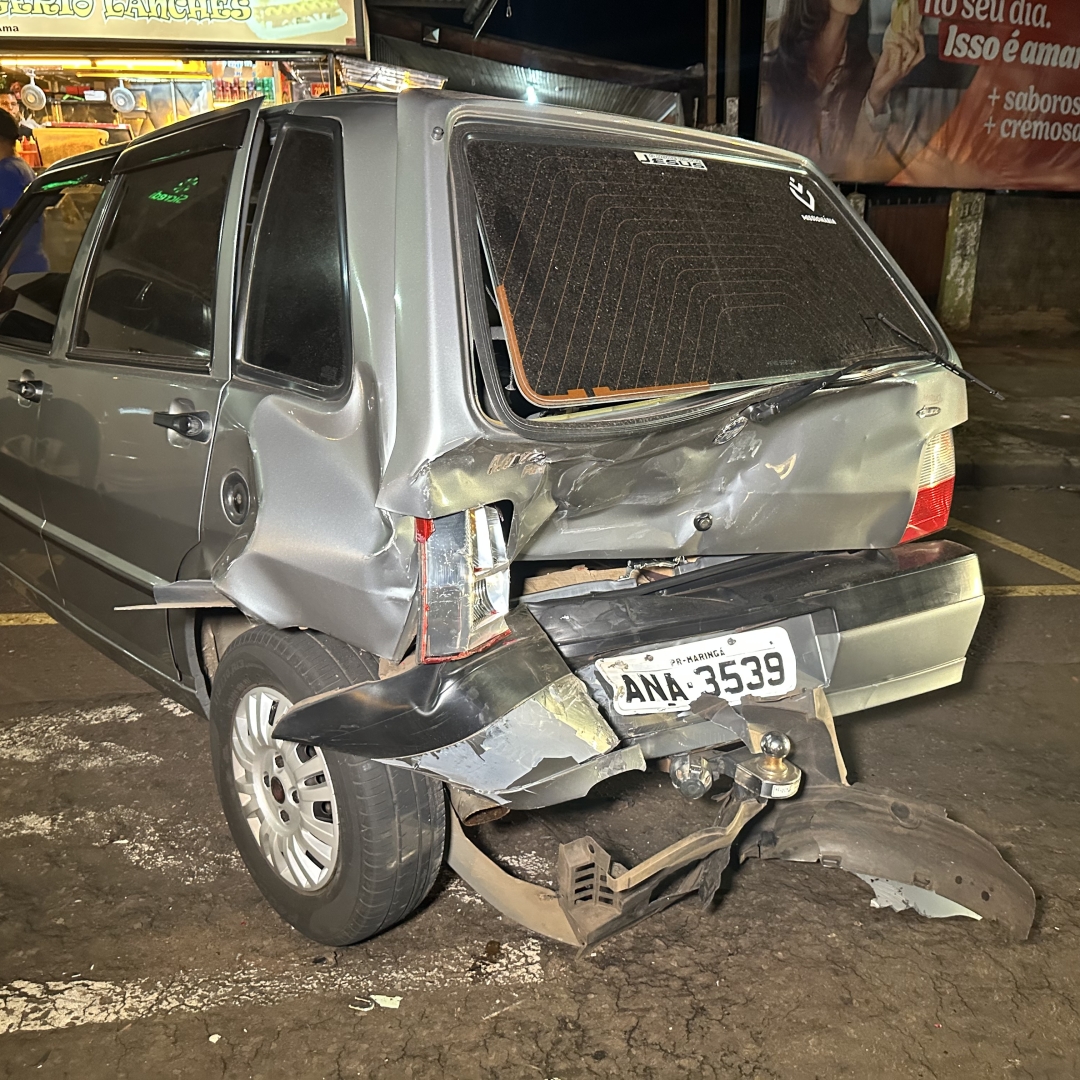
{"type": "Point", "coordinates": [932, 93]}
{"type": "Point", "coordinates": [278, 22]}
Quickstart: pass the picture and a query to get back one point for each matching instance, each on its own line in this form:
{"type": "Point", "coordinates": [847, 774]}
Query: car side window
{"type": "Point", "coordinates": [35, 268]}
{"type": "Point", "coordinates": [151, 286]}
{"type": "Point", "coordinates": [297, 314]}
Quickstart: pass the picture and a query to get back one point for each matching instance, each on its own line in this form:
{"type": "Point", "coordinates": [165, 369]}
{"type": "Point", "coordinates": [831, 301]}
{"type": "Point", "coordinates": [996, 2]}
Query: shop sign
{"type": "Point", "coordinates": [287, 22]}
{"type": "Point", "coordinates": [932, 93]}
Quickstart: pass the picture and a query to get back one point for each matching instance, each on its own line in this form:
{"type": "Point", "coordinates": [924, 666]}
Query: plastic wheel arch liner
{"type": "Point", "coordinates": [875, 834]}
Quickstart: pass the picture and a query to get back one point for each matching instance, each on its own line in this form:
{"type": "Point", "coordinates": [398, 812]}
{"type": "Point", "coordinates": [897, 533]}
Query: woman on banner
{"type": "Point", "coordinates": [824, 94]}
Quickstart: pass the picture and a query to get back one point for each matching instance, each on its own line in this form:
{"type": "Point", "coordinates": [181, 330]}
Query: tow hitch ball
{"type": "Point", "coordinates": [767, 775]}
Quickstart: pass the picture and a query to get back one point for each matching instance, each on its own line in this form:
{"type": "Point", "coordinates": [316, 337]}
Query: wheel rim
{"type": "Point", "coordinates": [286, 795]}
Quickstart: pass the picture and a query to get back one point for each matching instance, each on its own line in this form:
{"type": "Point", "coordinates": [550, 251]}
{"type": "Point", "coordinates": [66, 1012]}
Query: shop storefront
{"type": "Point", "coordinates": [70, 104]}
{"type": "Point", "coordinates": [80, 74]}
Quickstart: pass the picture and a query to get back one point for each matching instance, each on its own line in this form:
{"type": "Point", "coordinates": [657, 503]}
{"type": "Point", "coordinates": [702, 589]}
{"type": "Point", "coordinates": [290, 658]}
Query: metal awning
{"type": "Point", "coordinates": [479, 75]}
{"type": "Point", "coordinates": [503, 67]}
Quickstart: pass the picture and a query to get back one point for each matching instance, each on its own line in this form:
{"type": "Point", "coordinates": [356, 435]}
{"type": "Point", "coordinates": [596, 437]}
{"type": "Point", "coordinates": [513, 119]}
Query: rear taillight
{"type": "Point", "coordinates": [464, 583]}
{"type": "Point", "coordinates": [937, 474]}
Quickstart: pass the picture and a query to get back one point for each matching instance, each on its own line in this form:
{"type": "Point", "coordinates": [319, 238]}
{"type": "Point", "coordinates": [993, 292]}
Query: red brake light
{"type": "Point", "coordinates": [931, 511]}
{"type": "Point", "coordinates": [933, 500]}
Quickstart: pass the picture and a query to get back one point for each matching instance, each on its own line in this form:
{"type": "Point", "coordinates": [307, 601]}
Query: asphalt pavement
{"type": "Point", "coordinates": [1033, 436]}
{"type": "Point", "coordinates": [133, 944]}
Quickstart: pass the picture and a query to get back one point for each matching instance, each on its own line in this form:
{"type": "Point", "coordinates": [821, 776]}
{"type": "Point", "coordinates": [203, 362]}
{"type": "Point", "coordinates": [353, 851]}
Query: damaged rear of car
{"type": "Point", "coordinates": [583, 446]}
{"type": "Point", "coordinates": [687, 415]}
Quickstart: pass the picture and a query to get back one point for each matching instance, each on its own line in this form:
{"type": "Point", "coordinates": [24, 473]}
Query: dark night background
{"type": "Point", "coordinates": [669, 35]}
{"type": "Point", "coordinates": [666, 35]}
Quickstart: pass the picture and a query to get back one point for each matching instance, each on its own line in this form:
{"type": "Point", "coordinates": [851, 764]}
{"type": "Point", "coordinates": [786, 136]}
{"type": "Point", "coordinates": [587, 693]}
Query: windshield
{"type": "Point", "coordinates": [618, 273]}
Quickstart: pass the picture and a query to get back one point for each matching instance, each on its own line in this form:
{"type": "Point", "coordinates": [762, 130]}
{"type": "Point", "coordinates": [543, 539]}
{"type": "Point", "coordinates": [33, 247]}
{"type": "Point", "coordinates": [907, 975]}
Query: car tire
{"type": "Point", "coordinates": [341, 846]}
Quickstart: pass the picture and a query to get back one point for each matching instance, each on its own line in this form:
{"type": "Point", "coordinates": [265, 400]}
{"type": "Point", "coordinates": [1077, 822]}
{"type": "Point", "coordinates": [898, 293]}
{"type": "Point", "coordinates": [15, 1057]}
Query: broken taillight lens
{"type": "Point", "coordinates": [933, 500]}
{"type": "Point", "coordinates": [464, 583]}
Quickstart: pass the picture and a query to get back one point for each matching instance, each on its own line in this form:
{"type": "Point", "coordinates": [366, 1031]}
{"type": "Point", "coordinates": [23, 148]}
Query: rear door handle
{"type": "Point", "coordinates": [191, 425]}
{"type": "Point", "coordinates": [27, 387]}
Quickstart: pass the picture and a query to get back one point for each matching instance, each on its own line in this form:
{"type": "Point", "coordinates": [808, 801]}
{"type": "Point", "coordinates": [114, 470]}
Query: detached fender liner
{"type": "Point", "coordinates": [877, 835]}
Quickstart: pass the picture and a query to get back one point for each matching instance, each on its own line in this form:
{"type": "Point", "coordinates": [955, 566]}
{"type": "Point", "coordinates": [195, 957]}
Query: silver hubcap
{"type": "Point", "coordinates": [285, 793]}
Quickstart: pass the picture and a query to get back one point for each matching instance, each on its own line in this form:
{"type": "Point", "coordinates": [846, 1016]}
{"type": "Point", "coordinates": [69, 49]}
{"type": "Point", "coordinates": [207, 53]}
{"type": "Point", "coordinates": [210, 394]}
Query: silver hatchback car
{"type": "Point", "coordinates": [454, 455]}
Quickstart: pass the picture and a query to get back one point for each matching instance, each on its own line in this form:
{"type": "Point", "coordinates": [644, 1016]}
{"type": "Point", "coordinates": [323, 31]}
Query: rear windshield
{"type": "Point", "coordinates": [619, 273]}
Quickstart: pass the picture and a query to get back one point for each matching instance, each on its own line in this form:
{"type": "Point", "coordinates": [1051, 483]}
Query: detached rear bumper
{"type": "Point", "coordinates": [527, 722]}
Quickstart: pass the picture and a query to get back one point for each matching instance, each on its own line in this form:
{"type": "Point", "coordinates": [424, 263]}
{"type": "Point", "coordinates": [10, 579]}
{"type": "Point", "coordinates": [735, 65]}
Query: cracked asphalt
{"type": "Point", "coordinates": [132, 943]}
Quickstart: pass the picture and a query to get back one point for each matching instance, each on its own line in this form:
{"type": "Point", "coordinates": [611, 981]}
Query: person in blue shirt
{"type": "Point", "coordinates": [15, 176]}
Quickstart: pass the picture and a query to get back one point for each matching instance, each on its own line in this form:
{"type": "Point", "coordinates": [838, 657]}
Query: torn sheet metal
{"type": "Point", "coordinates": [576, 782]}
{"type": "Point", "coordinates": [548, 734]}
{"type": "Point", "coordinates": [511, 722]}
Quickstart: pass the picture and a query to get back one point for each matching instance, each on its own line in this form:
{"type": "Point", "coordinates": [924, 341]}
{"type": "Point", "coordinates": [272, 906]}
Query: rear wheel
{"type": "Point", "coordinates": [341, 846]}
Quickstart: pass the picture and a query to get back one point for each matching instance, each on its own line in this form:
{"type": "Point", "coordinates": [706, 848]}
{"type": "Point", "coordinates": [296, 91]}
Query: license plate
{"type": "Point", "coordinates": [728, 666]}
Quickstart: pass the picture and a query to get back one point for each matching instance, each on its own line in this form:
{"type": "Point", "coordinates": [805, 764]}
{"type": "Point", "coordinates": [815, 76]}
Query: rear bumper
{"type": "Point", "coordinates": [528, 723]}
{"type": "Point", "coordinates": [889, 624]}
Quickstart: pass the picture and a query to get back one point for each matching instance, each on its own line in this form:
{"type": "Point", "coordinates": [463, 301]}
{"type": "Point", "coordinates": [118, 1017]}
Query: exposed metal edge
{"type": "Point", "coordinates": [531, 906]}
{"type": "Point", "coordinates": [178, 605]}
{"type": "Point", "coordinates": [111, 564]}
{"type": "Point", "coordinates": [577, 782]}
{"type": "Point", "coordinates": [178, 595]}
